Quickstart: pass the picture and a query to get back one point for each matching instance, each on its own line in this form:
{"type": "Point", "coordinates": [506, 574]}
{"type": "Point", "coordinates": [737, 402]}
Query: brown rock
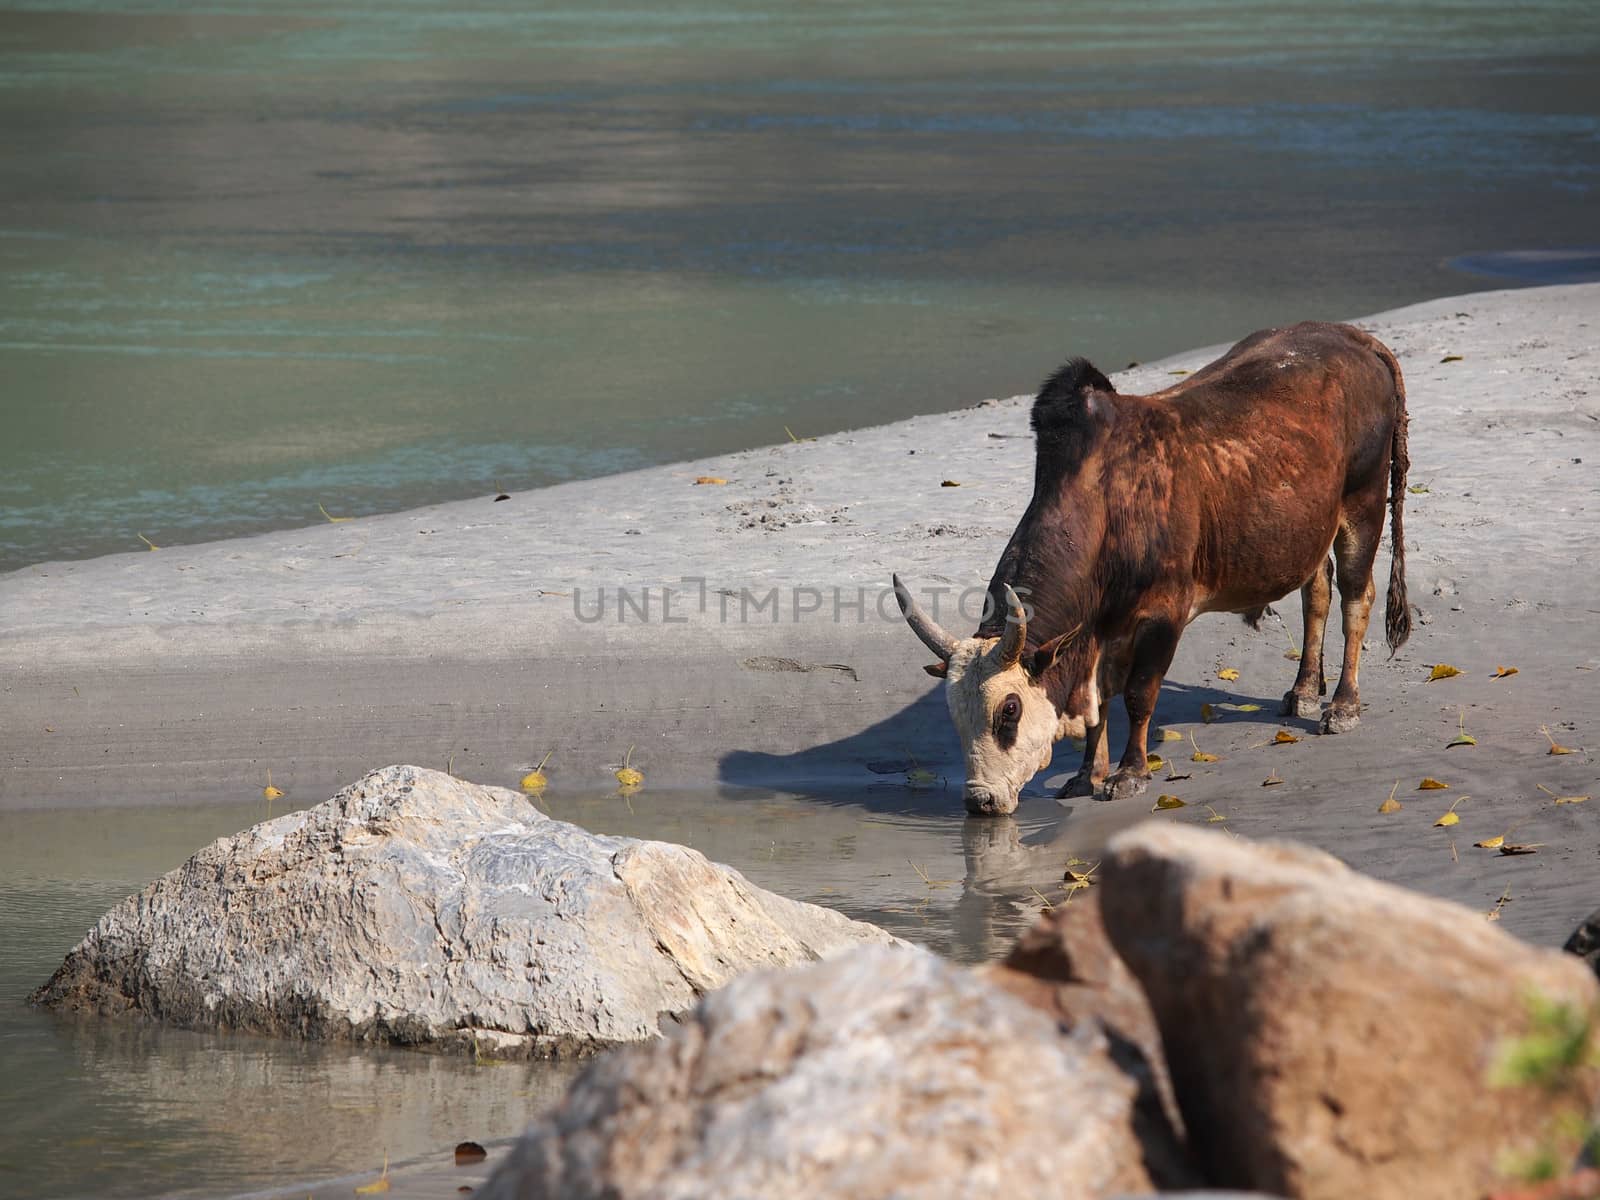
{"type": "Point", "coordinates": [881, 1073]}
{"type": "Point", "coordinates": [1329, 1035]}
{"type": "Point", "coordinates": [1067, 966]}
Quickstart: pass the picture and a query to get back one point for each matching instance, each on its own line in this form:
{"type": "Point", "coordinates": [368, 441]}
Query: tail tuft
{"type": "Point", "coordinates": [1397, 609]}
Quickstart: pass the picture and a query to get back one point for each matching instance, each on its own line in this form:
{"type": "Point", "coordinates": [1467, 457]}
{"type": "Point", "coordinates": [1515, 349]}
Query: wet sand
{"type": "Point", "coordinates": [449, 635]}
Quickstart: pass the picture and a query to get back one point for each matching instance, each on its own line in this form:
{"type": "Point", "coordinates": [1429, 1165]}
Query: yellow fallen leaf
{"type": "Point", "coordinates": [270, 792]}
{"type": "Point", "coordinates": [1561, 799]}
{"type": "Point", "coordinates": [1080, 878]}
{"type": "Point", "coordinates": [147, 541]}
{"type": "Point", "coordinates": [1202, 756]}
{"type": "Point", "coordinates": [1494, 913]}
{"type": "Point", "coordinates": [1171, 735]}
{"type": "Point", "coordinates": [1228, 673]}
{"type": "Point", "coordinates": [1530, 848]}
{"type": "Point", "coordinates": [1247, 708]}
{"type": "Point", "coordinates": [337, 521]}
{"type": "Point", "coordinates": [1391, 805]}
{"type": "Point", "coordinates": [534, 780]}
{"type": "Point", "coordinates": [1154, 761]}
{"type": "Point", "coordinates": [1215, 818]}
{"type": "Point", "coordinates": [1271, 780]}
{"type": "Point", "coordinates": [1443, 671]}
{"type": "Point", "coordinates": [1502, 672]}
{"type": "Point", "coordinates": [1284, 738]}
{"type": "Point", "coordinates": [1449, 818]}
{"type": "Point", "coordinates": [716, 480]}
{"type": "Point", "coordinates": [1207, 713]}
{"type": "Point", "coordinates": [380, 1184]}
{"type": "Point", "coordinates": [1491, 843]}
{"type": "Point", "coordinates": [1450, 358]}
{"type": "Point", "coordinates": [1165, 801]}
{"type": "Point", "coordinates": [1430, 784]}
{"type": "Point", "coordinates": [920, 777]}
{"type": "Point", "coordinates": [1555, 746]}
{"type": "Point", "coordinates": [1463, 738]}
{"type": "Point", "coordinates": [949, 483]}
{"type": "Point", "coordinates": [627, 776]}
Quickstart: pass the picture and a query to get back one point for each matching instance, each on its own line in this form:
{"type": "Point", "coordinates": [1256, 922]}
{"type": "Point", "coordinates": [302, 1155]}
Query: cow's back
{"type": "Point", "coordinates": [1258, 452]}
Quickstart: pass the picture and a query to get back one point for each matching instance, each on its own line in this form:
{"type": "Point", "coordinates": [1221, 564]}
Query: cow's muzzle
{"type": "Point", "coordinates": [981, 802]}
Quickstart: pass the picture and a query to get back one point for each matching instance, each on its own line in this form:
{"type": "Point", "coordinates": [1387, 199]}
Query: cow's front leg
{"type": "Point", "coordinates": [1096, 762]}
{"type": "Point", "coordinates": [1152, 655]}
{"type": "Point", "coordinates": [1310, 684]}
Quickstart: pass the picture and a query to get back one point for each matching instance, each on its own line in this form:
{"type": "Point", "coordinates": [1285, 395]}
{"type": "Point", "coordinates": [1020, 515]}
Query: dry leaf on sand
{"type": "Point", "coordinates": [1391, 805]}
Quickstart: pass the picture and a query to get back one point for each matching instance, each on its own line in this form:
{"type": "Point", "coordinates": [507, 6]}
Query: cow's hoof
{"type": "Point", "coordinates": [1295, 705]}
{"type": "Point", "coordinates": [1080, 784]}
{"type": "Point", "coordinates": [1124, 785]}
{"type": "Point", "coordinates": [1340, 720]}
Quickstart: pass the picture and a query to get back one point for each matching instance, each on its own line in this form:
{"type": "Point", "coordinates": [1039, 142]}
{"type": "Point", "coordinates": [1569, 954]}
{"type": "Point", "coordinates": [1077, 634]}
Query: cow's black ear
{"type": "Point", "coordinates": [937, 669]}
{"type": "Point", "coordinates": [1045, 656]}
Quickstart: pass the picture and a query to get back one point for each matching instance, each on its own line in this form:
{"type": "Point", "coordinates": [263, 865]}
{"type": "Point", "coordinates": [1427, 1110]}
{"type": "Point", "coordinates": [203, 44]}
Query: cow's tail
{"type": "Point", "coordinates": [1397, 610]}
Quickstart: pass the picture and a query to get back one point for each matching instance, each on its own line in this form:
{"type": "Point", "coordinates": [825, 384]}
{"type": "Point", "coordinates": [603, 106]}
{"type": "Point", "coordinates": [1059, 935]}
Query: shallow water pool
{"type": "Point", "coordinates": [122, 1108]}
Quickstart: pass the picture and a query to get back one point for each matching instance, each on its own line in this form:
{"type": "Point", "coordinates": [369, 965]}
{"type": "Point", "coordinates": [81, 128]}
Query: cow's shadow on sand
{"type": "Point", "coordinates": [915, 752]}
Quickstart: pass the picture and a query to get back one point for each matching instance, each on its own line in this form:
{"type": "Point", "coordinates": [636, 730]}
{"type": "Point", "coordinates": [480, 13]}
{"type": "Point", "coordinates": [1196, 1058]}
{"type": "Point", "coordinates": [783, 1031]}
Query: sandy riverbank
{"type": "Point", "coordinates": [458, 633]}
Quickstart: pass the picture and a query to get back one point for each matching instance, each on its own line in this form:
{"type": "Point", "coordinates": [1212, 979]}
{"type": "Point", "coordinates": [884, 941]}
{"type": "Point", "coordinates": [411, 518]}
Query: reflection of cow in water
{"type": "Point", "coordinates": [1221, 494]}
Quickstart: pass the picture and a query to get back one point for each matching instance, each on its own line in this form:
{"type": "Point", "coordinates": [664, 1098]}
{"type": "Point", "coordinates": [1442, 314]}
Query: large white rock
{"type": "Point", "coordinates": [886, 1072]}
{"type": "Point", "coordinates": [417, 908]}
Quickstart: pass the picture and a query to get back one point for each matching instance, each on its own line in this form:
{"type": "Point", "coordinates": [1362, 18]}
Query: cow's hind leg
{"type": "Point", "coordinates": [1311, 684]}
{"type": "Point", "coordinates": [1096, 762]}
{"type": "Point", "coordinates": [1353, 550]}
{"type": "Point", "coordinates": [1152, 655]}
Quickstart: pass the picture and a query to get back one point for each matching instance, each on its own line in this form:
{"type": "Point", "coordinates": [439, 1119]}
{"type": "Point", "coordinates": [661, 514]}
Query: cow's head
{"type": "Point", "coordinates": [1007, 722]}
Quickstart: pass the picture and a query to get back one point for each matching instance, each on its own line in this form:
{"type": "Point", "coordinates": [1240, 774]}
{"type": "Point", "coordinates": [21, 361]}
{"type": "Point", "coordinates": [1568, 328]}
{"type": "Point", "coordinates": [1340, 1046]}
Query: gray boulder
{"type": "Point", "coordinates": [417, 908]}
{"type": "Point", "coordinates": [886, 1072]}
{"type": "Point", "coordinates": [1585, 941]}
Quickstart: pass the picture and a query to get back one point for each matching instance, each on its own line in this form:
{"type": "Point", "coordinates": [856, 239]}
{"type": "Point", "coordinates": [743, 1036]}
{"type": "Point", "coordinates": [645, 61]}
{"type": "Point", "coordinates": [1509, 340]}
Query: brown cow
{"type": "Point", "coordinates": [1220, 494]}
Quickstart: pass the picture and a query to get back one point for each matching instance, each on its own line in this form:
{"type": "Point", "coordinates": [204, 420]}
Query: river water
{"type": "Point", "coordinates": [261, 261]}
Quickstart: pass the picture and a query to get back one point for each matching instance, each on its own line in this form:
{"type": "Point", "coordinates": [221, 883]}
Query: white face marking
{"type": "Point", "coordinates": [978, 686]}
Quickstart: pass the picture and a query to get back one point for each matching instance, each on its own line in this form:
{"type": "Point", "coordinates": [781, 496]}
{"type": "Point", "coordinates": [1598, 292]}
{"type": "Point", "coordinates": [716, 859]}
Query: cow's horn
{"type": "Point", "coordinates": [1016, 634]}
{"type": "Point", "coordinates": [934, 638]}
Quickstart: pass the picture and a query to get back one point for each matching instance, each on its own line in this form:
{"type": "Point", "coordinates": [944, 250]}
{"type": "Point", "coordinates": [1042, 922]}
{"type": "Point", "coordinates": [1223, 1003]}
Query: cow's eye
{"type": "Point", "coordinates": [1011, 708]}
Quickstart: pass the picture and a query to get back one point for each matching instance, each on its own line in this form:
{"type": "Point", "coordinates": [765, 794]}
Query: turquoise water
{"type": "Point", "coordinates": [262, 257]}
